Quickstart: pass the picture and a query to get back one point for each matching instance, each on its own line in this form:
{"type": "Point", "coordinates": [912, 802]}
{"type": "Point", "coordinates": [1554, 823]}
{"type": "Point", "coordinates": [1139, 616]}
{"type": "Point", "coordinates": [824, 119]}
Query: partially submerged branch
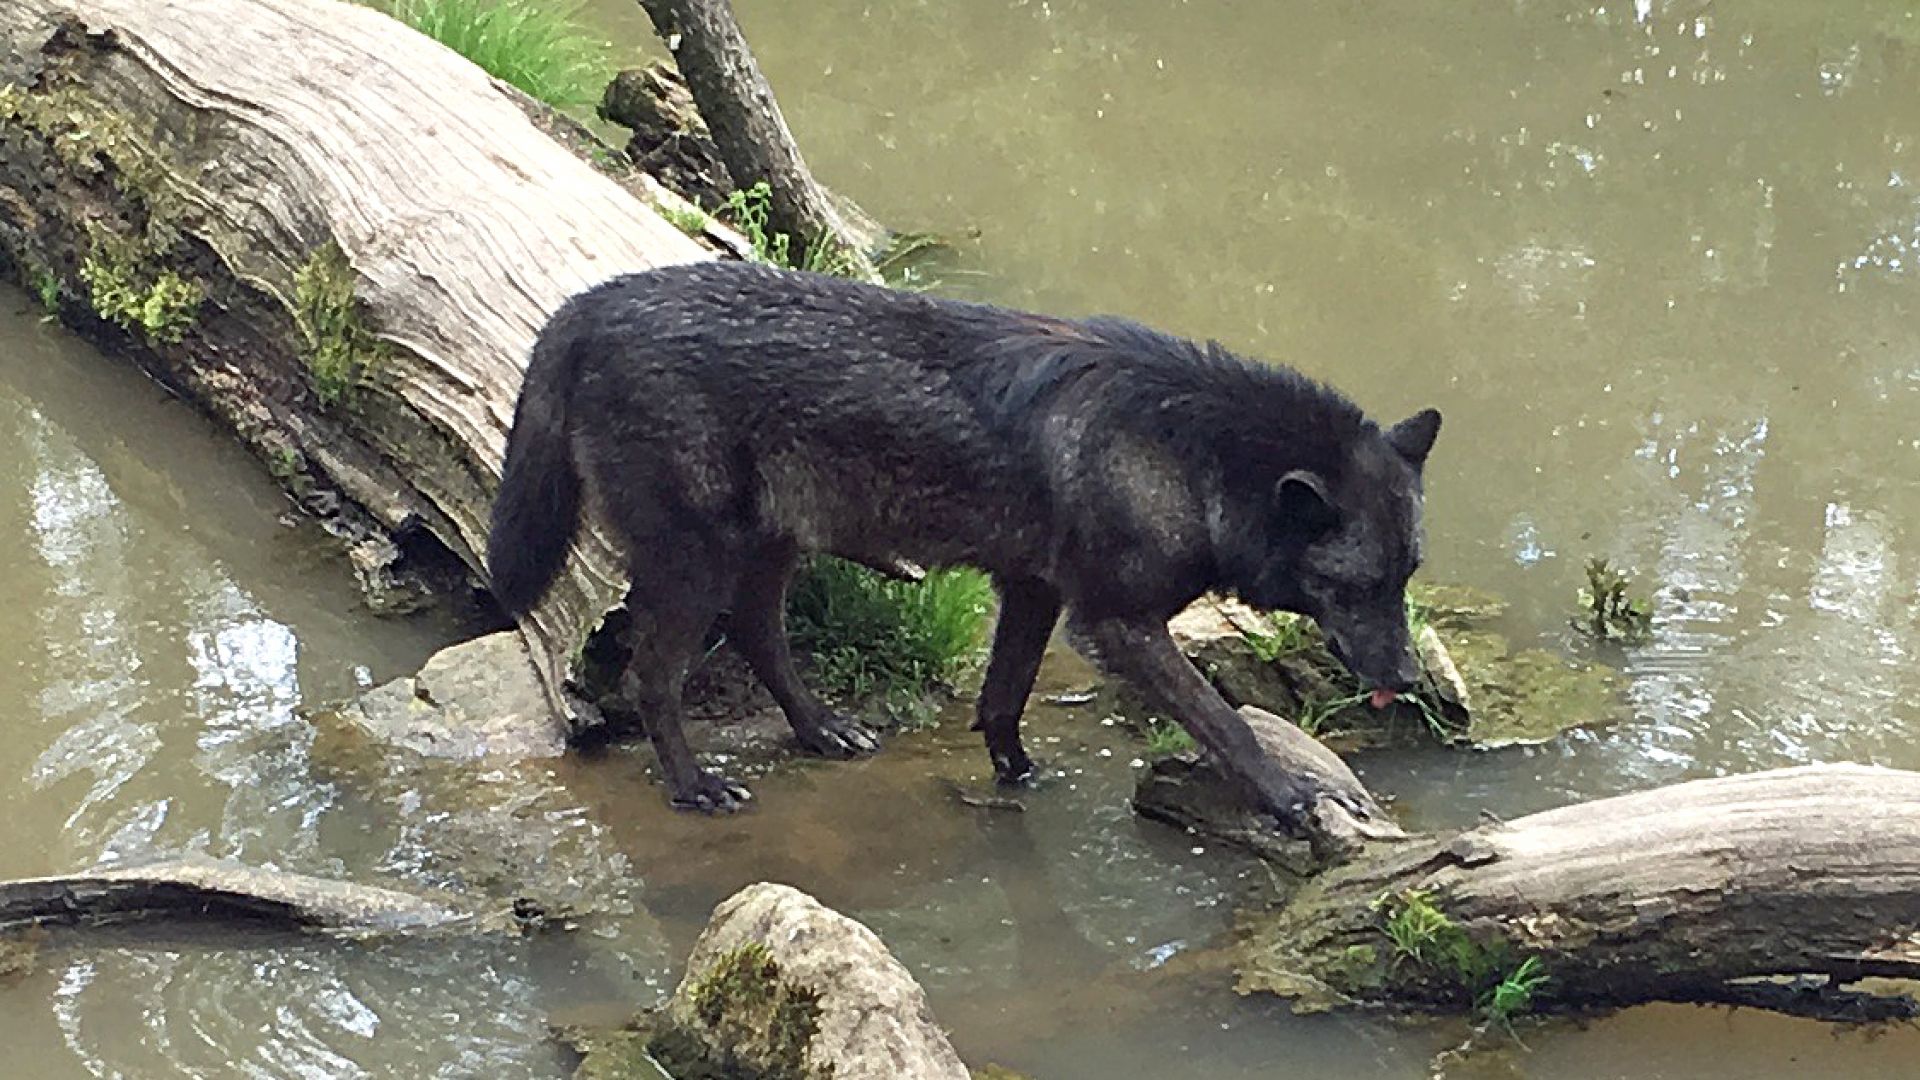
{"type": "Point", "coordinates": [207, 889]}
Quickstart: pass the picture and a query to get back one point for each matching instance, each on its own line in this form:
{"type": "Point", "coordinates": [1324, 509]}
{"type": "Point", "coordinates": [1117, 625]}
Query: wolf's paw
{"type": "Point", "coordinates": [712, 793]}
{"type": "Point", "coordinates": [836, 736]}
{"type": "Point", "coordinates": [1012, 768]}
{"type": "Point", "coordinates": [1292, 803]}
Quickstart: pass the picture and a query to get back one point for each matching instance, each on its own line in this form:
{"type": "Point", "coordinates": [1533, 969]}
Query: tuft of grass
{"type": "Point", "coordinates": [1166, 738]}
{"type": "Point", "coordinates": [1513, 994]}
{"type": "Point", "coordinates": [1424, 935]}
{"type": "Point", "coordinates": [537, 46]}
{"type": "Point", "coordinates": [869, 636]}
{"type": "Point", "coordinates": [1281, 634]}
{"type": "Point", "coordinates": [1610, 610]}
{"type": "Point", "coordinates": [748, 210]}
{"type": "Point", "coordinates": [1315, 714]}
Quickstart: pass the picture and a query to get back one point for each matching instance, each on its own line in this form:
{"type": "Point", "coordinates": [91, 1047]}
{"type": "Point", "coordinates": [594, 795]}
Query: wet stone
{"type": "Point", "coordinates": [779, 987]}
{"type": "Point", "coordinates": [480, 698]}
{"type": "Point", "coordinates": [1477, 691]}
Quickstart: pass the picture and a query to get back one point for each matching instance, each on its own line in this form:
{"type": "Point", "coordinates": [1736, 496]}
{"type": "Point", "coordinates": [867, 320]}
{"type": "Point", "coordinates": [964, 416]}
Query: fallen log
{"type": "Point", "coordinates": [1682, 893]}
{"type": "Point", "coordinates": [208, 889]}
{"type": "Point", "coordinates": [333, 234]}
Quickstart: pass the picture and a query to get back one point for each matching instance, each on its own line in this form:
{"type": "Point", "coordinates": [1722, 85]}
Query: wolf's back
{"type": "Point", "coordinates": [538, 505]}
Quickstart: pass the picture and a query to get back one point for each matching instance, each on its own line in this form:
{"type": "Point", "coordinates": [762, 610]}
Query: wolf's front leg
{"type": "Point", "coordinates": [1141, 651]}
{"type": "Point", "coordinates": [1028, 609]}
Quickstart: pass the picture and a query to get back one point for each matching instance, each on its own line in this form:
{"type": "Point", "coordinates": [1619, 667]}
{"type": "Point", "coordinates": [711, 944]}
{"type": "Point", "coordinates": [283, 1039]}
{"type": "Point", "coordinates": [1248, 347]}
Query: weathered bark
{"type": "Point", "coordinates": [669, 140]}
{"type": "Point", "coordinates": [334, 234]}
{"type": "Point", "coordinates": [206, 889]}
{"type": "Point", "coordinates": [750, 131]}
{"type": "Point", "coordinates": [1672, 894]}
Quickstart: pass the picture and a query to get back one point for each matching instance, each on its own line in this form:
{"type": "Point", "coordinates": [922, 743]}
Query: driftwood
{"type": "Point", "coordinates": [332, 233]}
{"type": "Point", "coordinates": [208, 889]}
{"type": "Point", "coordinates": [1682, 893]}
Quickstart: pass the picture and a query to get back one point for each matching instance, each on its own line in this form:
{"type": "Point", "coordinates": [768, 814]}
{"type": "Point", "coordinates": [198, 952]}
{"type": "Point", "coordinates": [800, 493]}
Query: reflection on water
{"type": "Point", "coordinates": [1653, 260]}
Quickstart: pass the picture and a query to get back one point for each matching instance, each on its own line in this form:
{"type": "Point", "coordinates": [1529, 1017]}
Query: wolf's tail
{"type": "Point", "coordinates": [538, 506]}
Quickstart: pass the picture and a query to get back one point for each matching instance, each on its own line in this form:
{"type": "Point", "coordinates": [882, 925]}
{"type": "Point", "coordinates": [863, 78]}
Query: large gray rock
{"type": "Point", "coordinates": [780, 987]}
{"type": "Point", "coordinates": [480, 698]}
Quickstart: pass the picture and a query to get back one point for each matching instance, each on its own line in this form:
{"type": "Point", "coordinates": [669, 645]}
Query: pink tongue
{"type": "Point", "coordinates": [1382, 698]}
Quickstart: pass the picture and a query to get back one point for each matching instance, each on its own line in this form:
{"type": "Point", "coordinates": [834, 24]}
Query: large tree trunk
{"type": "Point", "coordinates": [1674, 894]}
{"type": "Point", "coordinates": [749, 130]}
{"type": "Point", "coordinates": [334, 234]}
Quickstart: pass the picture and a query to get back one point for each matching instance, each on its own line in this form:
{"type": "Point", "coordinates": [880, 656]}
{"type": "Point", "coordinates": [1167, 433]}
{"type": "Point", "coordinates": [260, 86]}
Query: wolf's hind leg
{"type": "Point", "coordinates": [758, 630]}
{"type": "Point", "coordinates": [678, 588]}
{"type": "Point", "coordinates": [1028, 609]}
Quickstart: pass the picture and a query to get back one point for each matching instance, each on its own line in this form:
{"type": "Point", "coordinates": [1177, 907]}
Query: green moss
{"type": "Point", "coordinates": [753, 1024]}
{"type": "Point", "coordinates": [338, 348]}
{"type": "Point", "coordinates": [86, 138]}
{"type": "Point", "coordinates": [124, 270]}
{"type": "Point", "coordinates": [127, 291]}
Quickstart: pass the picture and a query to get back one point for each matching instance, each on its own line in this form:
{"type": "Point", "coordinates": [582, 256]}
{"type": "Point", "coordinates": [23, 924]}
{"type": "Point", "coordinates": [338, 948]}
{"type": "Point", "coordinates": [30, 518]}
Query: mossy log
{"type": "Point", "coordinates": [1684, 893]}
{"type": "Point", "coordinates": [333, 234]}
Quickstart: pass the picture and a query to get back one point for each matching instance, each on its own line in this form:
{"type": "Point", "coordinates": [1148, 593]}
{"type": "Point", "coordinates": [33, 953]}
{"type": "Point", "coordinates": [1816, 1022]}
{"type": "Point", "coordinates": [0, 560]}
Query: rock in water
{"type": "Point", "coordinates": [480, 698]}
{"type": "Point", "coordinates": [780, 987]}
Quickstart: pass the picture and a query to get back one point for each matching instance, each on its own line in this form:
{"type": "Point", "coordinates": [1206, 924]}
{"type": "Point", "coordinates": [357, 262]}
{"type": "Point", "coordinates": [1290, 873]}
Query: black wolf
{"type": "Point", "coordinates": [728, 418]}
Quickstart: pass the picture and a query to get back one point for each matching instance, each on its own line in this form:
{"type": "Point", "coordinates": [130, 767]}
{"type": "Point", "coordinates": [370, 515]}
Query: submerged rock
{"type": "Point", "coordinates": [480, 698]}
{"type": "Point", "coordinates": [19, 949]}
{"type": "Point", "coordinates": [780, 987]}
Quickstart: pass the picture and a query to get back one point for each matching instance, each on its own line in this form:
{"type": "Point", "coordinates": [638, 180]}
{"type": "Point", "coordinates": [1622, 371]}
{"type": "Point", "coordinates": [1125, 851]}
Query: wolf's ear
{"type": "Point", "coordinates": [1413, 437]}
{"type": "Point", "coordinates": [1301, 500]}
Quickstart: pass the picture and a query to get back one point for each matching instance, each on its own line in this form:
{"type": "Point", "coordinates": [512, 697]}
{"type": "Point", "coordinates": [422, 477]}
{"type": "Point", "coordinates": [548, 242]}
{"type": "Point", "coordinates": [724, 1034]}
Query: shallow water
{"type": "Point", "coordinates": [1651, 260]}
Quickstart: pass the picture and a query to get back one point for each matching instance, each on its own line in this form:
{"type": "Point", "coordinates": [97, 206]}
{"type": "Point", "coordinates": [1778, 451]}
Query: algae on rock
{"type": "Point", "coordinates": [779, 987]}
{"type": "Point", "coordinates": [1477, 690]}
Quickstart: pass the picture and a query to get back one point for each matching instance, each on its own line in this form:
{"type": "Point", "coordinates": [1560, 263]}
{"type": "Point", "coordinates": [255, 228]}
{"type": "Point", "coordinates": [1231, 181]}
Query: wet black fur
{"type": "Point", "coordinates": [729, 418]}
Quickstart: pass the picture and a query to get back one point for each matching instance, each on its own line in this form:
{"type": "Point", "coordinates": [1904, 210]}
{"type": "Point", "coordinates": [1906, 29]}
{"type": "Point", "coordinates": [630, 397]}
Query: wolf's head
{"type": "Point", "coordinates": [1339, 546]}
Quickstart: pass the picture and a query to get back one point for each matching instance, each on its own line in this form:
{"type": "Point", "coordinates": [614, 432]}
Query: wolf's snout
{"type": "Point", "coordinates": [1386, 673]}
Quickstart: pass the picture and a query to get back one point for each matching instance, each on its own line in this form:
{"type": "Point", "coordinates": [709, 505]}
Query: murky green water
{"type": "Point", "coordinates": [1652, 261]}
